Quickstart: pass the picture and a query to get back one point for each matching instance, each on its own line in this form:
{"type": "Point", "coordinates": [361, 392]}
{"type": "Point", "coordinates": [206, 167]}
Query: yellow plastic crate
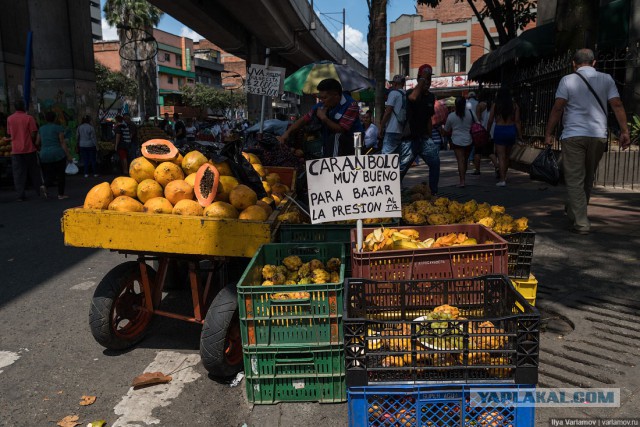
{"type": "Point", "coordinates": [528, 288]}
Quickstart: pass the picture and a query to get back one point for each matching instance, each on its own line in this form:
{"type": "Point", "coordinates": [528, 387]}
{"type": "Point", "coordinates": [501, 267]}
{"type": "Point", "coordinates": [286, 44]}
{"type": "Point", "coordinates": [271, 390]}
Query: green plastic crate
{"type": "Point", "coordinates": [315, 320]}
{"type": "Point", "coordinates": [304, 374]}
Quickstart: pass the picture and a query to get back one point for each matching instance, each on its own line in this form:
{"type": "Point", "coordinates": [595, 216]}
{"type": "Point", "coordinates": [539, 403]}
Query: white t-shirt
{"type": "Point", "coordinates": [582, 115]}
{"type": "Point", "coordinates": [371, 136]}
{"type": "Point", "coordinates": [395, 100]}
{"type": "Point", "coordinates": [460, 135]}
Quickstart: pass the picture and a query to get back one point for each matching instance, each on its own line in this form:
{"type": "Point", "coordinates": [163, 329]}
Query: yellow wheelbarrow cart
{"type": "Point", "coordinates": [129, 295]}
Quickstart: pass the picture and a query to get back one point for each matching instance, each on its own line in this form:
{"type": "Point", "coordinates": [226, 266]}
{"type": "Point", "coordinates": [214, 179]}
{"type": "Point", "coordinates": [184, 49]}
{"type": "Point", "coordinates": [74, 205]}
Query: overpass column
{"type": "Point", "coordinates": [62, 60]}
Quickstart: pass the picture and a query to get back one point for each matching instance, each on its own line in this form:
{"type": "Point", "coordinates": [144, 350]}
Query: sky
{"type": "Point", "coordinates": [330, 12]}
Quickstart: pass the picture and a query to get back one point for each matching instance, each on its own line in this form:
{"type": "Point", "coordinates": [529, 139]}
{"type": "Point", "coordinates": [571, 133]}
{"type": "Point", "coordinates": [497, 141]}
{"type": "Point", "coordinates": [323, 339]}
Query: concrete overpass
{"type": "Point", "coordinates": [246, 28]}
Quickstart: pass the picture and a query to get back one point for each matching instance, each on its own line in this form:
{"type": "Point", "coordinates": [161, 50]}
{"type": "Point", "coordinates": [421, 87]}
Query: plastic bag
{"type": "Point", "coordinates": [545, 168]}
{"type": "Point", "coordinates": [71, 169]}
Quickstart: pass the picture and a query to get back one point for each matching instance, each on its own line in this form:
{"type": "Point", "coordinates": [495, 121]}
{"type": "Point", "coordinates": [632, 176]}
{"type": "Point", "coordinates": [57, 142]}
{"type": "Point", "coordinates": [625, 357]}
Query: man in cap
{"type": "Point", "coordinates": [394, 117]}
{"type": "Point", "coordinates": [420, 109]}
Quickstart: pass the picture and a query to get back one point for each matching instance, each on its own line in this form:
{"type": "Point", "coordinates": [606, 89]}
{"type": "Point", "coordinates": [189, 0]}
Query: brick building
{"type": "Point", "coordinates": [435, 36]}
{"type": "Point", "coordinates": [181, 61]}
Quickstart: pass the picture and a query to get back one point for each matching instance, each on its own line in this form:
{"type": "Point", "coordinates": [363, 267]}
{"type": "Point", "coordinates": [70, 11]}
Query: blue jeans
{"type": "Point", "coordinates": [391, 143]}
{"type": "Point", "coordinates": [88, 156]}
{"type": "Point", "coordinates": [430, 153]}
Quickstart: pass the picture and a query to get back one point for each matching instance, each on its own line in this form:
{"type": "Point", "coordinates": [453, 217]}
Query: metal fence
{"type": "Point", "coordinates": [534, 86]}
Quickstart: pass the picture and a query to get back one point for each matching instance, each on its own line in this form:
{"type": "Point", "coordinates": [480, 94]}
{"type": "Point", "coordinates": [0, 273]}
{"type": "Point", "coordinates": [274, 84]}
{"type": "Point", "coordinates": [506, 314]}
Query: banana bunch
{"type": "Point", "coordinates": [386, 239]}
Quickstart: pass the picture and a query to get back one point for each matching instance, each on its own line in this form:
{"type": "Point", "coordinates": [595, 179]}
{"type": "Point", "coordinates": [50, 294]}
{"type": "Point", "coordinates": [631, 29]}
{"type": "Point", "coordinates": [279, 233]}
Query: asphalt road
{"type": "Point", "coordinates": [49, 360]}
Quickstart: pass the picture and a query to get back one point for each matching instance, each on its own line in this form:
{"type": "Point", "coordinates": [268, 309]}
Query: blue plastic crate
{"type": "Point", "coordinates": [447, 405]}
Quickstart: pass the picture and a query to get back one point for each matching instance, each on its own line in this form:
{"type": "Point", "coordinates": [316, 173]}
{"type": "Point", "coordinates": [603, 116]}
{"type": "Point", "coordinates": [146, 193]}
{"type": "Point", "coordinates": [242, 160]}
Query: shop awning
{"type": "Point", "coordinates": [535, 42]}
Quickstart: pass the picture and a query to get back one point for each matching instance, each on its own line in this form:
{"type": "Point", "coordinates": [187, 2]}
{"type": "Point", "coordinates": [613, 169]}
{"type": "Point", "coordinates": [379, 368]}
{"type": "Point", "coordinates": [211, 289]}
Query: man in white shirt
{"type": "Point", "coordinates": [395, 116]}
{"type": "Point", "coordinates": [370, 131]}
{"type": "Point", "coordinates": [584, 133]}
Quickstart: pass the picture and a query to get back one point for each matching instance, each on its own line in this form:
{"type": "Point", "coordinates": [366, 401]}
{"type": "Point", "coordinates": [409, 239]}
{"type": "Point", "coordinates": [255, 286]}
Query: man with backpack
{"type": "Point", "coordinates": [394, 117]}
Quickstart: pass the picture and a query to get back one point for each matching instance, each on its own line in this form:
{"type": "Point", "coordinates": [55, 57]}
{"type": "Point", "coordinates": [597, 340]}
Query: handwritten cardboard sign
{"type": "Point", "coordinates": [350, 187]}
{"type": "Point", "coordinates": [263, 80]}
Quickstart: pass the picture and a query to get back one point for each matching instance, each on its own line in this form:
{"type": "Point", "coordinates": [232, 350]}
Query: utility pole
{"type": "Point", "coordinates": [344, 37]}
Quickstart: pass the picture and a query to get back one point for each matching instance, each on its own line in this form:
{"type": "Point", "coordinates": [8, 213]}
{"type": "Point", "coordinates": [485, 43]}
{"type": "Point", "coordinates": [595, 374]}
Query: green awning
{"type": "Point", "coordinates": [536, 42]}
{"type": "Point", "coordinates": [176, 72]}
{"type": "Point", "coordinates": [169, 92]}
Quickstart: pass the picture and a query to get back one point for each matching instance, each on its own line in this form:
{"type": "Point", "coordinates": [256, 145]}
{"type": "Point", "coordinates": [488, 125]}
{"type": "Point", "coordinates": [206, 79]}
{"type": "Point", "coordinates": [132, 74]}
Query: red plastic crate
{"type": "Point", "coordinates": [454, 262]}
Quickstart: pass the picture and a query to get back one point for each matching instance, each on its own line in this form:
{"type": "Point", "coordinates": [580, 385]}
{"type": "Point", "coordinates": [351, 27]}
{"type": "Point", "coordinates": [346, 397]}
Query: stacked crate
{"type": "Point", "coordinates": [406, 369]}
{"type": "Point", "coordinates": [293, 349]}
{"type": "Point", "coordinates": [519, 264]}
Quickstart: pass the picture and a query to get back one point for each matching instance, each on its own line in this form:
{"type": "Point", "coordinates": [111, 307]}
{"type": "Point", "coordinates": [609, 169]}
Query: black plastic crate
{"type": "Point", "coordinates": [388, 340]}
{"type": "Point", "coordinates": [520, 251]}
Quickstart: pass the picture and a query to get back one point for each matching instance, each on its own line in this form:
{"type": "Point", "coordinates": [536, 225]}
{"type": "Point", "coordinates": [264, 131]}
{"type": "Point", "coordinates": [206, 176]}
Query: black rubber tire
{"type": "Point", "coordinates": [222, 314]}
{"type": "Point", "coordinates": [102, 304]}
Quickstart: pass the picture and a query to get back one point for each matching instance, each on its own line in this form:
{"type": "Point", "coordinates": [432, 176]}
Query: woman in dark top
{"type": "Point", "coordinates": [54, 154]}
{"type": "Point", "coordinates": [506, 114]}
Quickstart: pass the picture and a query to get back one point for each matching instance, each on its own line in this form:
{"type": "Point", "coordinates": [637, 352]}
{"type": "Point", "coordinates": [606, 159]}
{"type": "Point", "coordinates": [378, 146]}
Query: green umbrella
{"type": "Point", "coordinates": [306, 79]}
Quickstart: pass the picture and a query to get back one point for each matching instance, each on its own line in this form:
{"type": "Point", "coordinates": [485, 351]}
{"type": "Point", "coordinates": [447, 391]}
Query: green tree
{"type": "Point", "coordinates": [203, 97]}
{"type": "Point", "coordinates": [115, 82]}
{"type": "Point", "coordinates": [135, 20]}
{"type": "Point", "coordinates": [509, 16]}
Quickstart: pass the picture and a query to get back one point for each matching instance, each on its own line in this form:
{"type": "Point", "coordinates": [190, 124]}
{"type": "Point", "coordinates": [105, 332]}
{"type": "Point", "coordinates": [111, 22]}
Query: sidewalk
{"type": "Point", "coordinates": [589, 287]}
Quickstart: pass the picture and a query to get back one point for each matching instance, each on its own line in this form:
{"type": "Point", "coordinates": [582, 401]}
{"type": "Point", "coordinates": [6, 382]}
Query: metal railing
{"type": "Point", "coordinates": [534, 86]}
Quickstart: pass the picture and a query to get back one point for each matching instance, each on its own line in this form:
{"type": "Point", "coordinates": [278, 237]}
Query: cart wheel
{"type": "Point", "coordinates": [220, 342]}
{"type": "Point", "coordinates": [116, 318]}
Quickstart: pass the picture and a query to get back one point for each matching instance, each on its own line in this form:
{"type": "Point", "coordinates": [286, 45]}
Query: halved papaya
{"type": "Point", "coordinates": [206, 184]}
{"type": "Point", "coordinates": [159, 149]}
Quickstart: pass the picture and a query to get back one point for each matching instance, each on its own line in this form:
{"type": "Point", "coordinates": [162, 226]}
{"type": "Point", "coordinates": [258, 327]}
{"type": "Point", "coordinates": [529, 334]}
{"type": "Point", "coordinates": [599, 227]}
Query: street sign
{"type": "Point", "coordinates": [350, 187]}
{"type": "Point", "coordinates": [264, 80]}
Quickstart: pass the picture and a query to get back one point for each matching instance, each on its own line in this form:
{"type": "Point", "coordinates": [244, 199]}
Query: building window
{"type": "Point", "coordinates": [190, 81]}
{"type": "Point", "coordinates": [178, 60]}
{"type": "Point", "coordinates": [403, 61]}
{"type": "Point", "coordinates": [170, 80]}
{"type": "Point", "coordinates": [179, 81]}
{"type": "Point", "coordinates": [167, 57]}
{"type": "Point", "coordinates": [454, 61]}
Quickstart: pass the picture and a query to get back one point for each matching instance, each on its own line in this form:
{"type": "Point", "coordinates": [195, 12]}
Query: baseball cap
{"type": "Point", "coordinates": [425, 68]}
{"type": "Point", "coordinates": [472, 94]}
{"type": "Point", "coordinates": [398, 78]}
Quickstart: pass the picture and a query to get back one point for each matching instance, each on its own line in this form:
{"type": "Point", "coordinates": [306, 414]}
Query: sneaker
{"type": "Point", "coordinates": [43, 191]}
{"type": "Point", "coordinates": [476, 172]}
{"type": "Point", "coordinates": [95, 175]}
{"type": "Point", "coordinates": [501, 184]}
{"type": "Point", "coordinates": [86, 176]}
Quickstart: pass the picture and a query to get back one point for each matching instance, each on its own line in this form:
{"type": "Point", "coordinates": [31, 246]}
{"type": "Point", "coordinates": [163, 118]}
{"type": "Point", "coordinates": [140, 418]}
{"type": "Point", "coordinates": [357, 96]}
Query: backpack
{"type": "Point", "coordinates": [479, 135]}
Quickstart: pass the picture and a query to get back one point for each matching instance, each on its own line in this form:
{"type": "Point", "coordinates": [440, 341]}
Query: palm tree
{"type": "Point", "coordinates": [377, 40]}
{"type": "Point", "coordinates": [135, 20]}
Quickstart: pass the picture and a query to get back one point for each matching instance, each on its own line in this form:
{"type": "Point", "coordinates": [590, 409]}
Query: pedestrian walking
{"type": "Point", "coordinates": [581, 100]}
{"type": "Point", "coordinates": [190, 130]}
{"type": "Point", "coordinates": [370, 132]}
{"type": "Point", "coordinates": [179, 130]}
{"type": "Point", "coordinates": [88, 145]}
{"type": "Point", "coordinates": [421, 106]}
{"type": "Point", "coordinates": [394, 117]}
{"type": "Point", "coordinates": [123, 142]}
{"type": "Point", "coordinates": [54, 154]}
{"type": "Point", "coordinates": [134, 150]}
{"type": "Point", "coordinates": [458, 126]}
{"type": "Point", "coordinates": [505, 112]}
{"type": "Point", "coordinates": [22, 132]}
{"type": "Point", "coordinates": [483, 110]}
